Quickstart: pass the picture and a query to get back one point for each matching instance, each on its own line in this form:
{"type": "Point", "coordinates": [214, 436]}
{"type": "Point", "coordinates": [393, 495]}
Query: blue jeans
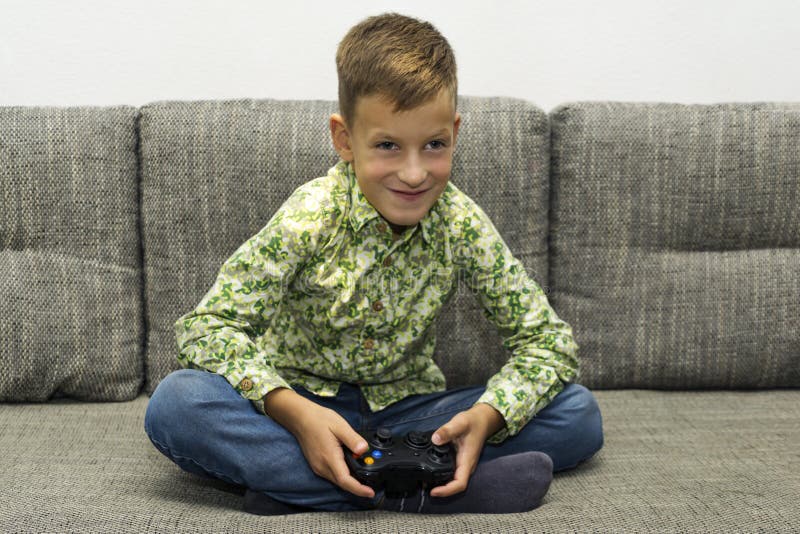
{"type": "Point", "coordinates": [197, 420]}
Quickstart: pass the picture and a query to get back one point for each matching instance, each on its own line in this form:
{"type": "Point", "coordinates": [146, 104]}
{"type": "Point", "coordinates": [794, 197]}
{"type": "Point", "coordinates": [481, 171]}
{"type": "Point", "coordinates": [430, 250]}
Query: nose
{"type": "Point", "coordinates": [413, 174]}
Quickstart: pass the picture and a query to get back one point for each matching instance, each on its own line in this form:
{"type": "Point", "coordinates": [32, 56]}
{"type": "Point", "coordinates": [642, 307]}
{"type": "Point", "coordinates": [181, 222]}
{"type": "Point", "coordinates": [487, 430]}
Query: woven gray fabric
{"type": "Point", "coordinates": [675, 242]}
{"type": "Point", "coordinates": [70, 289]}
{"type": "Point", "coordinates": [672, 462]}
{"type": "Point", "coordinates": [214, 172]}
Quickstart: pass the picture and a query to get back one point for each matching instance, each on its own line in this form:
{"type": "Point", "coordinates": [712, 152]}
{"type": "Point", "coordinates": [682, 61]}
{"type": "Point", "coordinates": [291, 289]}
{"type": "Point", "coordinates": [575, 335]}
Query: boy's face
{"type": "Point", "coordinates": [402, 160]}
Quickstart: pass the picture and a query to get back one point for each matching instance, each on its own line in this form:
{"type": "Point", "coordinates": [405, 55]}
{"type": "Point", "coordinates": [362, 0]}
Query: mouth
{"type": "Point", "coordinates": [407, 195]}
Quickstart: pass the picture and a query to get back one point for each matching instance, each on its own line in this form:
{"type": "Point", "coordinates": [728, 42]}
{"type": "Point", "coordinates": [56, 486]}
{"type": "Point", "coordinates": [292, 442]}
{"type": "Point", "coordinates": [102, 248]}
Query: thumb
{"type": "Point", "coordinates": [356, 442]}
{"type": "Point", "coordinates": [447, 432]}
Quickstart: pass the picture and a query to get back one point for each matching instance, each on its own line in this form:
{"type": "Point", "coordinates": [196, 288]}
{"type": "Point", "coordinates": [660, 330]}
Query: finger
{"type": "Point", "coordinates": [351, 439]}
{"type": "Point", "coordinates": [466, 461]}
{"type": "Point", "coordinates": [457, 485]}
{"type": "Point", "coordinates": [346, 481]}
{"type": "Point", "coordinates": [449, 431]}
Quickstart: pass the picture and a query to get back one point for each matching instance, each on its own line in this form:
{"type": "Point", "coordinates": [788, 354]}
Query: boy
{"type": "Point", "coordinates": [321, 324]}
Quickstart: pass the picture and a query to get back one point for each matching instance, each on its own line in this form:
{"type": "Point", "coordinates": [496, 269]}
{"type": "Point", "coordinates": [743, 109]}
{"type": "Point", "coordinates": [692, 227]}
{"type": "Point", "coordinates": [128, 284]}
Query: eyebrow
{"type": "Point", "coordinates": [434, 134]}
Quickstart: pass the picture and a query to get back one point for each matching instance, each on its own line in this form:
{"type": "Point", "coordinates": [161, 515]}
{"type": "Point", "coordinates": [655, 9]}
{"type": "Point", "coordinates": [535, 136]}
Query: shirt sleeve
{"type": "Point", "coordinates": [543, 350]}
{"type": "Point", "coordinates": [218, 334]}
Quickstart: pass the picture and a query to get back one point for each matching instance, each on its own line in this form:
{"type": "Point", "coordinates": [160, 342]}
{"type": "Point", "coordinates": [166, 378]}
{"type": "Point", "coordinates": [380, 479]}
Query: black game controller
{"type": "Point", "coordinates": [400, 466]}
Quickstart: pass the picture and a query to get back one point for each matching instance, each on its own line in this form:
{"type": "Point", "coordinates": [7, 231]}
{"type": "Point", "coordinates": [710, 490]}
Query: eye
{"type": "Point", "coordinates": [441, 144]}
{"type": "Point", "coordinates": [384, 144]}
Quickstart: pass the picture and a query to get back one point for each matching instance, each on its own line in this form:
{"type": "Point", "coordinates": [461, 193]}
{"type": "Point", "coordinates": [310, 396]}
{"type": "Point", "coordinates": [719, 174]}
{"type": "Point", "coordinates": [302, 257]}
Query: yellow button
{"type": "Point", "coordinates": [369, 460]}
{"type": "Point", "coordinates": [246, 384]}
{"type": "Point", "coordinates": [377, 305]}
{"type": "Point", "coordinates": [381, 227]}
{"type": "Point", "coordinates": [369, 343]}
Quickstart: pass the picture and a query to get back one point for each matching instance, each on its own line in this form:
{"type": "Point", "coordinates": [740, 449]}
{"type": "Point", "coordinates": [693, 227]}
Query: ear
{"type": "Point", "coordinates": [340, 135]}
{"type": "Point", "coordinates": [456, 124]}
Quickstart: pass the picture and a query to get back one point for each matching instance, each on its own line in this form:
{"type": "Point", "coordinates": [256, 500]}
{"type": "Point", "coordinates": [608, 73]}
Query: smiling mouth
{"type": "Point", "coordinates": [412, 194]}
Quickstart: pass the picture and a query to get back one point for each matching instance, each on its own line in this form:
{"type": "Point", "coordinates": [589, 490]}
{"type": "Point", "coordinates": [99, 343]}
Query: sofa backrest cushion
{"type": "Point", "coordinates": [214, 172]}
{"type": "Point", "coordinates": [675, 242]}
{"type": "Point", "coordinates": [70, 288]}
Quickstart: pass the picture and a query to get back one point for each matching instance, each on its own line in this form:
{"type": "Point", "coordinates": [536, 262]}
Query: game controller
{"type": "Point", "coordinates": [400, 466]}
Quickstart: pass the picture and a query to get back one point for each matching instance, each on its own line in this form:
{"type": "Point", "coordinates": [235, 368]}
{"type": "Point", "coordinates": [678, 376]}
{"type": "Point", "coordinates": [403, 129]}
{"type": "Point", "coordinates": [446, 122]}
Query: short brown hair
{"type": "Point", "coordinates": [402, 58]}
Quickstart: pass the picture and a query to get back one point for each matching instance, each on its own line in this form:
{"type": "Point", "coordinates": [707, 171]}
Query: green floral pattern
{"type": "Point", "coordinates": [325, 293]}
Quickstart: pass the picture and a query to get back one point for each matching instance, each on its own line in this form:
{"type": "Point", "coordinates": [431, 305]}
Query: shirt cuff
{"type": "Point", "coordinates": [517, 409]}
{"type": "Point", "coordinates": [501, 435]}
{"type": "Point", "coordinates": [253, 382]}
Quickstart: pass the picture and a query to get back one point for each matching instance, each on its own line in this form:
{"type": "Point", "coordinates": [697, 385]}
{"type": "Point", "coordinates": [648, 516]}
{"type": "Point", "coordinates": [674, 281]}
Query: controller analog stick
{"type": "Point", "coordinates": [418, 440]}
{"type": "Point", "coordinates": [439, 453]}
{"type": "Point", "coordinates": [383, 437]}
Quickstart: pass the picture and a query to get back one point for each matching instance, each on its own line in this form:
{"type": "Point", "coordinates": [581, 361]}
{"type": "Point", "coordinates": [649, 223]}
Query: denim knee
{"type": "Point", "coordinates": [170, 400]}
{"type": "Point", "coordinates": [583, 405]}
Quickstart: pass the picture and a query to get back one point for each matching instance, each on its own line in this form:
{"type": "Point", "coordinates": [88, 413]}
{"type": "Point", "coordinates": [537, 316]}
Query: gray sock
{"type": "Point", "coordinates": [509, 484]}
{"type": "Point", "coordinates": [259, 503]}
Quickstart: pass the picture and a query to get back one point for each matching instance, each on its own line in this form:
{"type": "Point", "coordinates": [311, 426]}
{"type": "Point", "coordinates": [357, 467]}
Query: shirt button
{"type": "Point", "coordinates": [246, 384]}
{"type": "Point", "coordinates": [377, 305]}
{"type": "Point", "coordinates": [369, 343]}
{"type": "Point", "coordinates": [381, 227]}
{"type": "Point", "coordinates": [387, 261]}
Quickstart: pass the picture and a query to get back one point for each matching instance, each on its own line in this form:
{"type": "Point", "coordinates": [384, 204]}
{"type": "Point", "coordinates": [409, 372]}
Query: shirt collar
{"type": "Point", "coordinates": [362, 212]}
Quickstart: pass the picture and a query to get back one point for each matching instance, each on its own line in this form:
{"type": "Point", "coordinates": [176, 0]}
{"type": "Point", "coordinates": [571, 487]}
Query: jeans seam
{"type": "Point", "coordinates": [429, 415]}
{"type": "Point", "coordinates": [364, 409]}
{"type": "Point", "coordinates": [449, 410]}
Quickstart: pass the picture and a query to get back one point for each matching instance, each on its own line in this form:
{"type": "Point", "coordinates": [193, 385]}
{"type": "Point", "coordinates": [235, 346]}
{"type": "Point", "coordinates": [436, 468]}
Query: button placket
{"type": "Point", "coordinates": [395, 245]}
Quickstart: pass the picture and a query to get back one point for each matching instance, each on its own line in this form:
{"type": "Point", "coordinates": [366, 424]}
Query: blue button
{"type": "Point", "coordinates": [377, 454]}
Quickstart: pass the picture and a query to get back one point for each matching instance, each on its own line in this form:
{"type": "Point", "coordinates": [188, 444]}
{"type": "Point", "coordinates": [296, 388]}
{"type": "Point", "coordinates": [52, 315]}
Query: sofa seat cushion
{"type": "Point", "coordinates": [700, 461]}
{"type": "Point", "coordinates": [70, 261]}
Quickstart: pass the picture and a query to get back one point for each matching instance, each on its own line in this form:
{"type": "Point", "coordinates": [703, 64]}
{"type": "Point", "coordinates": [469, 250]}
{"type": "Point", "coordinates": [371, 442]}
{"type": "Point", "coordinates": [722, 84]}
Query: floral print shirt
{"type": "Point", "coordinates": [326, 293]}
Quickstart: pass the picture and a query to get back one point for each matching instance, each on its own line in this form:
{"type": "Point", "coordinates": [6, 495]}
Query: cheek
{"type": "Point", "coordinates": [441, 167]}
{"type": "Point", "coordinates": [376, 171]}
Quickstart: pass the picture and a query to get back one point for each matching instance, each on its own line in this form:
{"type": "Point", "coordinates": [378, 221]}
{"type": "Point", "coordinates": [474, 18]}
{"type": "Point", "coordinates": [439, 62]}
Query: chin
{"type": "Point", "coordinates": [401, 222]}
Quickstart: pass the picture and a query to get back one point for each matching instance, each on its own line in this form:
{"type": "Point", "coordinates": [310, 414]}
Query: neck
{"type": "Point", "coordinates": [397, 229]}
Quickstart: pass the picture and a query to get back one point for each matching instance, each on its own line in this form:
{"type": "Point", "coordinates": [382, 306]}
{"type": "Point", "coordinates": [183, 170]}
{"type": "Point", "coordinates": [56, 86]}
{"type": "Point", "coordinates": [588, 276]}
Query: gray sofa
{"type": "Point", "coordinates": [667, 235]}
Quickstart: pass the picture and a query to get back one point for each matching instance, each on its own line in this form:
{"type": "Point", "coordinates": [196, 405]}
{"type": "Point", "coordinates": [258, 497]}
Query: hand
{"type": "Point", "coordinates": [468, 431]}
{"type": "Point", "coordinates": [321, 433]}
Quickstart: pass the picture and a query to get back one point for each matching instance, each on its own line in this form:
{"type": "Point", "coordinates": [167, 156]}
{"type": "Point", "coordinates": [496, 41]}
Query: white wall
{"type": "Point", "coordinates": [108, 52]}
